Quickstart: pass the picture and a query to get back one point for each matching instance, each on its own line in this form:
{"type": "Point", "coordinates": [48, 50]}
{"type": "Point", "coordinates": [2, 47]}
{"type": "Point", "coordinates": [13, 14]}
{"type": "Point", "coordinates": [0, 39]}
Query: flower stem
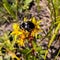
{"type": "Point", "coordinates": [52, 39]}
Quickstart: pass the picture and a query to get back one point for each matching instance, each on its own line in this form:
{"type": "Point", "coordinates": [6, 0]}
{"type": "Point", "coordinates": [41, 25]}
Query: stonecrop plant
{"type": "Point", "coordinates": [26, 30]}
{"type": "Point", "coordinates": [21, 43]}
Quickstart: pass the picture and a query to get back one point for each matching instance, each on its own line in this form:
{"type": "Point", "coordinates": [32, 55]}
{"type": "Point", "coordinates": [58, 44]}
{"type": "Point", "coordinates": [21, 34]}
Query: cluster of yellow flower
{"type": "Point", "coordinates": [17, 31]}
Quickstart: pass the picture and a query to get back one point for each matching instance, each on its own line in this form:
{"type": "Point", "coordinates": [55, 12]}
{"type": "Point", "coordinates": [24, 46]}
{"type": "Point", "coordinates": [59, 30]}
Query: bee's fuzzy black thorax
{"type": "Point", "coordinates": [27, 26]}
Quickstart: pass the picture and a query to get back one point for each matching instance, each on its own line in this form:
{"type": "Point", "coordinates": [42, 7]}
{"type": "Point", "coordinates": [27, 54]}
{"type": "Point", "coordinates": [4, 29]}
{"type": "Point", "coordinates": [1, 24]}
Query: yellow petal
{"type": "Point", "coordinates": [20, 32]}
{"type": "Point", "coordinates": [39, 21]}
{"type": "Point", "coordinates": [33, 32]}
{"type": "Point", "coordinates": [25, 19]}
{"type": "Point", "coordinates": [38, 27]}
{"type": "Point", "coordinates": [20, 42]}
{"type": "Point", "coordinates": [15, 26]}
{"type": "Point", "coordinates": [34, 20]}
{"type": "Point", "coordinates": [12, 33]}
{"type": "Point", "coordinates": [16, 33]}
{"type": "Point", "coordinates": [26, 33]}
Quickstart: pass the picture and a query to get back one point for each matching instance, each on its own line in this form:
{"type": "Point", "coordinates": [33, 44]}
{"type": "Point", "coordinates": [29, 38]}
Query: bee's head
{"type": "Point", "coordinates": [27, 26]}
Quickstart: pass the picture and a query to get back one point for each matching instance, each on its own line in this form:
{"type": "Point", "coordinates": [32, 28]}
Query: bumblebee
{"type": "Point", "coordinates": [27, 26]}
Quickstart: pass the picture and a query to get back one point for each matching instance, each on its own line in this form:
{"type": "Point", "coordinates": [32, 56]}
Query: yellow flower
{"type": "Point", "coordinates": [36, 22]}
{"type": "Point", "coordinates": [15, 26]}
{"type": "Point", "coordinates": [37, 26]}
{"type": "Point", "coordinates": [20, 42]}
{"type": "Point", "coordinates": [18, 32]}
{"type": "Point", "coordinates": [16, 29]}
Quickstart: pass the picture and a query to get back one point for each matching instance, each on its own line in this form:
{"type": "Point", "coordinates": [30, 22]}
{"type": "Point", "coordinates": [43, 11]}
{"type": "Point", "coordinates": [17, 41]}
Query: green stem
{"type": "Point", "coordinates": [17, 10]}
{"type": "Point", "coordinates": [52, 39]}
{"type": "Point", "coordinates": [54, 10]}
{"type": "Point", "coordinates": [8, 8]}
{"type": "Point", "coordinates": [14, 40]}
{"type": "Point", "coordinates": [29, 52]}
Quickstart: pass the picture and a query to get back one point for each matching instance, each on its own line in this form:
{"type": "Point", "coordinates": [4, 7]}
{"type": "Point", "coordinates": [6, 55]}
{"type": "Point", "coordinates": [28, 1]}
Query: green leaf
{"type": "Point", "coordinates": [38, 36]}
{"type": "Point", "coordinates": [27, 2]}
{"type": "Point", "coordinates": [52, 39]}
{"type": "Point", "coordinates": [42, 52]}
{"type": "Point", "coordinates": [39, 48]}
{"type": "Point", "coordinates": [28, 57]}
{"type": "Point", "coordinates": [24, 51]}
{"type": "Point", "coordinates": [34, 44]}
{"type": "Point", "coordinates": [8, 8]}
